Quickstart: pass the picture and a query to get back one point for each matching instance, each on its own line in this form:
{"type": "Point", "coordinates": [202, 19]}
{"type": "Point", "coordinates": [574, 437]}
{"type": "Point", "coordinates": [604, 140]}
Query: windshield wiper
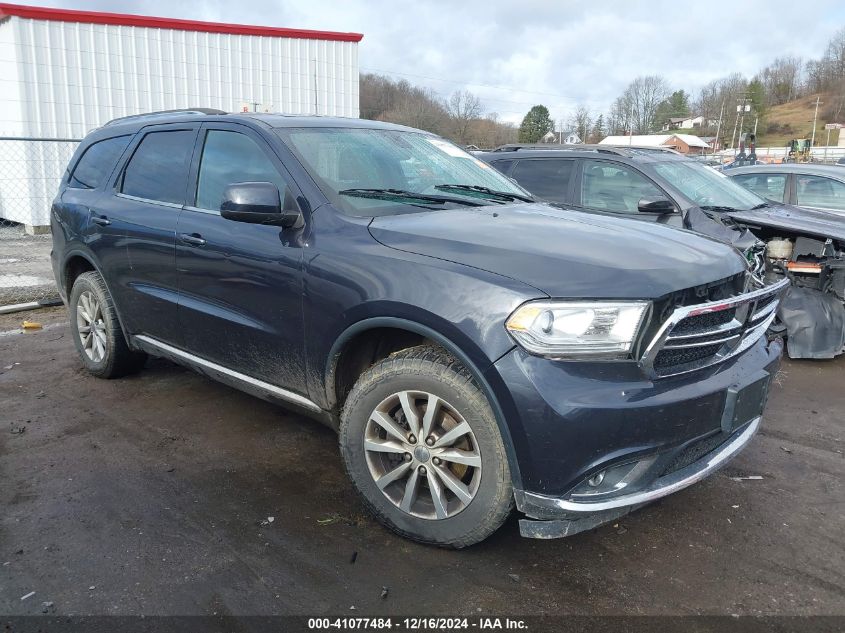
{"type": "Point", "coordinates": [762, 205]}
{"type": "Point", "coordinates": [407, 197]}
{"type": "Point", "coordinates": [718, 207]}
{"type": "Point", "coordinates": [485, 192]}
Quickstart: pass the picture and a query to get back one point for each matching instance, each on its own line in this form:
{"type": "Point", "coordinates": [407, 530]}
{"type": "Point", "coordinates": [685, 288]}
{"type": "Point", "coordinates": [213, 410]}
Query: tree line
{"type": "Point", "coordinates": [461, 117]}
{"type": "Point", "coordinates": [649, 102]}
{"type": "Point", "coordinates": [644, 107]}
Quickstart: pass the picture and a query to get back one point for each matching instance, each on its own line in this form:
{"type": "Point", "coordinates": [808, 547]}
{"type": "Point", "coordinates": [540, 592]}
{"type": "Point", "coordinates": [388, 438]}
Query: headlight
{"type": "Point", "coordinates": [562, 329]}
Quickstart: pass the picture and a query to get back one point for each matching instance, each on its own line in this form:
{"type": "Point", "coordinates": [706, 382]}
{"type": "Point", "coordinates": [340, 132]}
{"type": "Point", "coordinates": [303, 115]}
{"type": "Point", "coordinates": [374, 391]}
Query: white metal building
{"type": "Point", "coordinates": [63, 73]}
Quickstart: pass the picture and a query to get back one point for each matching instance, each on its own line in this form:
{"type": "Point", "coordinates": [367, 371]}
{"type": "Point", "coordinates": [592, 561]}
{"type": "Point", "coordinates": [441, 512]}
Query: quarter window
{"type": "Point", "coordinates": [614, 187]}
{"type": "Point", "coordinates": [97, 163]}
{"type": "Point", "coordinates": [771, 186]}
{"type": "Point", "coordinates": [816, 191]}
{"type": "Point", "coordinates": [230, 157]}
{"type": "Point", "coordinates": [547, 178]}
{"type": "Point", "coordinates": [158, 170]}
{"type": "Point", "coordinates": [503, 166]}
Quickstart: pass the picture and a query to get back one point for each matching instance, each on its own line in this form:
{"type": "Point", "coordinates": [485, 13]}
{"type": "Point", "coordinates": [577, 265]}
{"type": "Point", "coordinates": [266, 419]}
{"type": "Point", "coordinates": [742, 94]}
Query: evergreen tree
{"type": "Point", "coordinates": [536, 124]}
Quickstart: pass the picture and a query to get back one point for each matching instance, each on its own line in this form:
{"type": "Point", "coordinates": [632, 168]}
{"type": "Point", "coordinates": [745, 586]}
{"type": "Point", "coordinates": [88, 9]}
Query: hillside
{"type": "Point", "coordinates": [795, 120]}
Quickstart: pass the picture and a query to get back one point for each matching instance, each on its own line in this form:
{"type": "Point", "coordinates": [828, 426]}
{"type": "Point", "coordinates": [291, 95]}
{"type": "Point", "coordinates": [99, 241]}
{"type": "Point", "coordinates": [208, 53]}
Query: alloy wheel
{"type": "Point", "coordinates": [422, 455]}
{"type": "Point", "coordinates": [91, 326]}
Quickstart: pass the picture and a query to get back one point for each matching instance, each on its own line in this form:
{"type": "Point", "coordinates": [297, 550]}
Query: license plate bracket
{"type": "Point", "coordinates": [745, 402]}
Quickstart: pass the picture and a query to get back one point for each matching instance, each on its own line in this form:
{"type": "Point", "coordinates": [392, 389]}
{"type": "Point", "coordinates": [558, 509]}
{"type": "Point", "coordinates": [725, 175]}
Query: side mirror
{"type": "Point", "coordinates": [259, 203]}
{"type": "Point", "coordinates": [655, 205]}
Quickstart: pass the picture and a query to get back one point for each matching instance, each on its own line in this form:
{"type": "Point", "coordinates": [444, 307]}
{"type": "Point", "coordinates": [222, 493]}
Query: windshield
{"type": "Point", "coordinates": [707, 187]}
{"type": "Point", "coordinates": [345, 161]}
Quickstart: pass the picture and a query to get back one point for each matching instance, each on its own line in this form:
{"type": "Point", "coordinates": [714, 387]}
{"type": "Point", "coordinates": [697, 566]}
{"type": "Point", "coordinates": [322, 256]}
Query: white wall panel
{"type": "Point", "coordinates": [63, 79]}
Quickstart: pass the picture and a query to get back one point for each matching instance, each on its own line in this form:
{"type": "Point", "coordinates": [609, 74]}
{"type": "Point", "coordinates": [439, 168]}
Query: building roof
{"type": "Point", "coordinates": [653, 140]}
{"type": "Point", "coordinates": [148, 21]}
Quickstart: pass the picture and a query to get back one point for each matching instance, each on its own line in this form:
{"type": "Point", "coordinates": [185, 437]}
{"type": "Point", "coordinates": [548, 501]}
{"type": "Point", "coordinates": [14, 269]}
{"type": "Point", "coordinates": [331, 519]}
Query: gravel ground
{"type": "Point", "coordinates": [151, 495]}
{"type": "Point", "coordinates": [25, 271]}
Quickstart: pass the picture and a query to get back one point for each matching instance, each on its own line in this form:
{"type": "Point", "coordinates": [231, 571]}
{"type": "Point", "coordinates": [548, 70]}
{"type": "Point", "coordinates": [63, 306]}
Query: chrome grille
{"type": "Point", "coordinates": [704, 334]}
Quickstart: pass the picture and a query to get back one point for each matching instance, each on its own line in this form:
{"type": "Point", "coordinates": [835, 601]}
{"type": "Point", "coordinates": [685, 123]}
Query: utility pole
{"type": "Point", "coordinates": [815, 116]}
{"type": "Point", "coordinates": [631, 136]}
{"type": "Point", "coordinates": [743, 106]}
{"type": "Point", "coordinates": [719, 126]}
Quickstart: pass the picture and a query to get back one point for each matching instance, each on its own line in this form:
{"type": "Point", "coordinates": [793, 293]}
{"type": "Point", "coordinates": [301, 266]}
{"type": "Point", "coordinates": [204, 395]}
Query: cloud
{"type": "Point", "coordinates": [516, 54]}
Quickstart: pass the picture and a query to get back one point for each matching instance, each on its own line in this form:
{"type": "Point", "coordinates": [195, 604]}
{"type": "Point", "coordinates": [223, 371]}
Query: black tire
{"type": "Point", "coordinates": [430, 369]}
{"type": "Point", "coordinates": [117, 359]}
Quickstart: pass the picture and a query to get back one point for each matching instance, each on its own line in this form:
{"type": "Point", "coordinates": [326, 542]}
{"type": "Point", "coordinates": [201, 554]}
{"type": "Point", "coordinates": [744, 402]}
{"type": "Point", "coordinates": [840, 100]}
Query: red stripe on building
{"type": "Point", "coordinates": [147, 21]}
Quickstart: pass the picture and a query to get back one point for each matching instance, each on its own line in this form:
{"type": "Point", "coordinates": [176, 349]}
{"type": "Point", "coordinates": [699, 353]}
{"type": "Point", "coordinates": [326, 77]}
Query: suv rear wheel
{"type": "Point", "coordinates": [421, 445]}
{"type": "Point", "coordinates": [96, 330]}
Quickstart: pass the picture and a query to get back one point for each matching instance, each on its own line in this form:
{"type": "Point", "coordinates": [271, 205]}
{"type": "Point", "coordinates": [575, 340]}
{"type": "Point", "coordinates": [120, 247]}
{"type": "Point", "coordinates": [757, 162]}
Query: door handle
{"type": "Point", "coordinates": [194, 239]}
{"type": "Point", "coordinates": [101, 220]}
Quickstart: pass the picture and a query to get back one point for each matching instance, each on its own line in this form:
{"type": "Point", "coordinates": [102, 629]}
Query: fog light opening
{"type": "Point", "coordinates": [612, 480]}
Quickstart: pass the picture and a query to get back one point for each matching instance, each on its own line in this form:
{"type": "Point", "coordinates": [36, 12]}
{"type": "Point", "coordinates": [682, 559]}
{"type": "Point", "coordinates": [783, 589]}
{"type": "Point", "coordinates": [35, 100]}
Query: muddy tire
{"type": "Point", "coordinates": [422, 447]}
{"type": "Point", "coordinates": [96, 330]}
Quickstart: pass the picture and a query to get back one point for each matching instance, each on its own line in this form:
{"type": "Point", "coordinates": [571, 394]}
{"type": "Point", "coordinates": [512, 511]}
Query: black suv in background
{"type": "Point", "coordinates": [474, 349]}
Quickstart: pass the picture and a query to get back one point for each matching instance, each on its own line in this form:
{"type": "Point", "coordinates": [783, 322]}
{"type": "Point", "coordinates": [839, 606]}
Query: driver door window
{"type": "Point", "coordinates": [823, 193]}
{"type": "Point", "coordinates": [614, 187]}
{"type": "Point", "coordinates": [230, 157]}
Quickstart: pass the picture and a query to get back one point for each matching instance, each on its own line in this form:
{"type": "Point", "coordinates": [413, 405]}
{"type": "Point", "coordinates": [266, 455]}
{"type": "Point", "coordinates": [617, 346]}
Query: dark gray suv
{"type": "Point", "coordinates": [473, 349]}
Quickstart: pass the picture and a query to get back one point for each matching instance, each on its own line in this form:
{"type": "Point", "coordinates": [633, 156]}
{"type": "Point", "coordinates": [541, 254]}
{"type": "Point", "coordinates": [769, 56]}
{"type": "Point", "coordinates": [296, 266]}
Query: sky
{"type": "Point", "coordinates": [517, 54]}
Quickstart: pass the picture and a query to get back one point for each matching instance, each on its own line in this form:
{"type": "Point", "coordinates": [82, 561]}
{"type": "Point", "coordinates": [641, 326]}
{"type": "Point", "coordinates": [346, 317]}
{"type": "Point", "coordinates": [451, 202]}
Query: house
{"type": "Point", "coordinates": [569, 138]}
{"type": "Point", "coordinates": [684, 123]}
{"type": "Point", "coordinates": [712, 142]}
{"type": "Point", "coordinates": [683, 143]}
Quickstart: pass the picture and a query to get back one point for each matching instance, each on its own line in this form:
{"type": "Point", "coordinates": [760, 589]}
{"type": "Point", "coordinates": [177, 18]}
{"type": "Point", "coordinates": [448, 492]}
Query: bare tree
{"type": "Point", "coordinates": [463, 107]}
{"type": "Point", "coordinates": [782, 79]}
{"type": "Point", "coordinates": [580, 122]}
{"type": "Point", "coordinates": [642, 97]}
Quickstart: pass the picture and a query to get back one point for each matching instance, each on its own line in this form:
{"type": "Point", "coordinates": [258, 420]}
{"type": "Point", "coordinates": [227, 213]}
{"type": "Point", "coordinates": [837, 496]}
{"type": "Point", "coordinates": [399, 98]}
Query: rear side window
{"type": "Point", "coordinates": [97, 163]}
{"type": "Point", "coordinates": [158, 170]}
{"type": "Point", "coordinates": [547, 178]}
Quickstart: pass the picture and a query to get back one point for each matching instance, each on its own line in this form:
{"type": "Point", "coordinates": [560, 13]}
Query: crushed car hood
{"type": "Point", "coordinates": [814, 222]}
{"type": "Point", "coordinates": [564, 253]}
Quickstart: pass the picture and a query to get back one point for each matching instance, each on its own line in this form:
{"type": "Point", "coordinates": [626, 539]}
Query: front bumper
{"type": "Point", "coordinates": [571, 421]}
{"type": "Point", "coordinates": [581, 516]}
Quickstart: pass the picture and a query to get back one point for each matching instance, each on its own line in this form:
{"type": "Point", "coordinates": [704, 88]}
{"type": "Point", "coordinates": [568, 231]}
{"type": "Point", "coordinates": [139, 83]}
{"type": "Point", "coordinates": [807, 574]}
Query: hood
{"type": "Point", "coordinates": [813, 222]}
{"type": "Point", "coordinates": [568, 254]}
{"type": "Point", "coordinates": [721, 227]}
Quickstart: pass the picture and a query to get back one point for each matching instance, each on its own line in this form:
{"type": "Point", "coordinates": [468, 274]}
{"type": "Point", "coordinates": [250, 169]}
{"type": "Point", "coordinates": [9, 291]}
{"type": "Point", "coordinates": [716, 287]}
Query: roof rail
{"type": "Point", "coordinates": [647, 148]}
{"type": "Point", "coordinates": [145, 115]}
{"type": "Point", "coordinates": [581, 147]}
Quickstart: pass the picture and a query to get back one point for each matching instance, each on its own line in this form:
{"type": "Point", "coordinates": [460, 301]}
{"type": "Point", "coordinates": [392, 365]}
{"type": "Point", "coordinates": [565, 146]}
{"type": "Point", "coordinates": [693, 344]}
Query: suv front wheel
{"type": "Point", "coordinates": [421, 445]}
{"type": "Point", "coordinates": [96, 330]}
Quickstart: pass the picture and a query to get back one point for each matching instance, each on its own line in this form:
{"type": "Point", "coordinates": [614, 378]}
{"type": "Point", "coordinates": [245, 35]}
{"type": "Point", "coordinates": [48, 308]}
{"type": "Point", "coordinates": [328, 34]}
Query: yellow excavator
{"type": "Point", "coordinates": [799, 151]}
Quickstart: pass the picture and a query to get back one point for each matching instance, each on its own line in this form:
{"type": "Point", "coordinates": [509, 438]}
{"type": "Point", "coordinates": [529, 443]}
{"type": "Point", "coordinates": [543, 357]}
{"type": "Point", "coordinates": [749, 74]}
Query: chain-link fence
{"type": "Point", "coordinates": [30, 172]}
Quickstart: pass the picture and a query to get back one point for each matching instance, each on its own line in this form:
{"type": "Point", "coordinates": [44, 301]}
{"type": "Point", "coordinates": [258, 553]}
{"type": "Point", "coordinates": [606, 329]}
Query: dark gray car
{"type": "Point", "coordinates": [664, 187]}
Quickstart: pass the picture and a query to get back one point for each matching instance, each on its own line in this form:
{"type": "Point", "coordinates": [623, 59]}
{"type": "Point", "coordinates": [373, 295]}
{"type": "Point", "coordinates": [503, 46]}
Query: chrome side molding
{"type": "Point", "coordinates": [223, 374]}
